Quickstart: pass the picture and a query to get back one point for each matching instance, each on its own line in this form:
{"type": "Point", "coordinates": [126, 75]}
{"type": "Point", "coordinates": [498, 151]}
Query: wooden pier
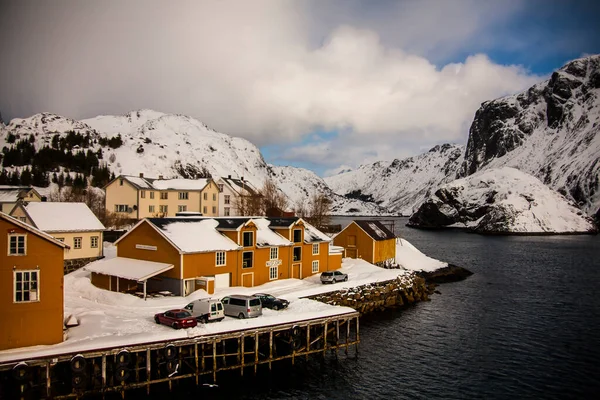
{"type": "Point", "coordinates": [116, 370]}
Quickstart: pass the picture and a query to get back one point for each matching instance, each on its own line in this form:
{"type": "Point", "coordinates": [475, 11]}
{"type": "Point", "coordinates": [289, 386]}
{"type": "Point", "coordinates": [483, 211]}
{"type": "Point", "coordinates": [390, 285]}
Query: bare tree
{"type": "Point", "coordinates": [319, 209]}
{"type": "Point", "coordinates": [249, 204]}
{"type": "Point", "coordinates": [272, 197]}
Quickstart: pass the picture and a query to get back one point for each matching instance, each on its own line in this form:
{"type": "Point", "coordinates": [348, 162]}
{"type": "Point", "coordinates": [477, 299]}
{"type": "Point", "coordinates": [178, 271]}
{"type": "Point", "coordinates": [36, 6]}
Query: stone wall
{"type": "Point", "coordinates": [75, 264]}
{"type": "Point", "coordinates": [378, 296]}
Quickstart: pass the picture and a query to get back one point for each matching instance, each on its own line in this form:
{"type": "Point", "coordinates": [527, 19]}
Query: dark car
{"type": "Point", "coordinates": [176, 319]}
{"type": "Point", "coordinates": [333, 277]}
{"type": "Point", "coordinates": [271, 302]}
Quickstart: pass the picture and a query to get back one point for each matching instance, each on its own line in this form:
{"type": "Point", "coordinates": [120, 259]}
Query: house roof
{"type": "Point", "coordinates": [32, 229]}
{"type": "Point", "coordinates": [240, 186]}
{"type": "Point", "coordinates": [375, 229]}
{"type": "Point", "coordinates": [265, 236]}
{"type": "Point", "coordinates": [62, 217]}
{"type": "Point", "coordinates": [285, 222]}
{"type": "Point", "coordinates": [231, 223]}
{"type": "Point", "coordinates": [193, 235]}
{"type": "Point", "coordinates": [10, 193]}
{"type": "Point", "coordinates": [128, 268]}
{"type": "Point", "coordinates": [165, 184]}
{"type": "Point", "coordinates": [312, 234]}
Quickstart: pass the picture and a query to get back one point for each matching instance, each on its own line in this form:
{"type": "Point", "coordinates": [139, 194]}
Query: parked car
{"type": "Point", "coordinates": [333, 277]}
{"type": "Point", "coordinates": [206, 310]}
{"type": "Point", "coordinates": [178, 318]}
{"type": "Point", "coordinates": [242, 306]}
{"type": "Point", "coordinates": [271, 302]}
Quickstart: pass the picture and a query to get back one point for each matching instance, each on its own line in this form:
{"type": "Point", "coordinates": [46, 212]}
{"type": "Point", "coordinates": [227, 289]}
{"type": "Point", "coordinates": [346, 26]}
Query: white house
{"type": "Point", "coordinates": [231, 191]}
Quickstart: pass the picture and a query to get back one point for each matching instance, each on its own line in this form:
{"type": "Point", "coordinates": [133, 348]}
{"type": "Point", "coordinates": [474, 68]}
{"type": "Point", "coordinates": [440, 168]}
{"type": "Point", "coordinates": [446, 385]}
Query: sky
{"type": "Point", "coordinates": [324, 85]}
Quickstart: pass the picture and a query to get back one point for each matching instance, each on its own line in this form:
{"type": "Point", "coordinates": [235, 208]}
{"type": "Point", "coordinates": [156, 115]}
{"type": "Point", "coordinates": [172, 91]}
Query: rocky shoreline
{"type": "Point", "coordinates": [399, 292]}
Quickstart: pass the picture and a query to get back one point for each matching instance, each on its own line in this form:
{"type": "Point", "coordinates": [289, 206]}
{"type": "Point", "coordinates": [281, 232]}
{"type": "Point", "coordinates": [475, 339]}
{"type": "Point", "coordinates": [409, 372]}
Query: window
{"type": "Point", "coordinates": [220, 187]}
{"type": "Point", "coordinates": [315, 267]}
{"type": "Point", "coordinates": [164, 209]}
{"type": "Point", "coordinates": [204, 210]}
{"type": "Point", "coordinates": [227, 199]}
{"type": "Point", "coordinates": [274, 253]}
{"type": "Point", "coordinates": [315, 249]}
{"type": "Point", "coordinates": [182, 208]}
{"type": "Point", "coordinates": [248, 239]}
{"type": "Point", "coordinates": [121, 208]}
{"type": "Point", "coordinates": [94, 242]}
{"type": "Point", "coordinates": [297, 253]}
{"type": "Point", "coordinates": [164, 195]}
{"type": "Point", "coordinates": [23, 219]}
{"type": "Point", "coordinates": [226, 211]}
{"type": "Point", "coordinates": [273, 272]}
{"type": "Point", "coordinates": [60, 239]}
{"type": "Point", "coordinates": [151, 209]}
{"type": "Point", "coordinates": [143, 194]}
{"type": "Point", "coordinates": [17, 245]}
{"type": "Point", "coordinates": [247, 257]}
{"type": "Point", "coordinates": [214, 210]}
{"type": "Point", "coordinates": [297, 235]}
{"type": "Point", "coordinates": [26, 286]}
{"type": "Point", "coordinates": [220, 258]}
{"type": "Point", "coordinates": [76, 242]}
{"type": "Point", "coordinates": [214, 197]}
{"type": "Point", "coordinates": [121, 182]}
{"type": "Point", "coordinates": [205, 196]}
{"type": "Point", "coordinates": [151, 195]}
{"type": "Point", "coordinates": [184, 195]}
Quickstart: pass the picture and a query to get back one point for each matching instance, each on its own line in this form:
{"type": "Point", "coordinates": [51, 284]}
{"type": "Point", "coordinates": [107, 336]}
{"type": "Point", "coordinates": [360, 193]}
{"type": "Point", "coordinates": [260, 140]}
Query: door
{"type": "Point", "coordinates": [189, 286]}
{"type": "Point", "coordinates": [248, 279]}
{"type": "Point", "coordinates": [222, 281]}
{"type": "Point", "coordinates": [351, 252]}
{"type": "Point", "coordinates": [296, 268]}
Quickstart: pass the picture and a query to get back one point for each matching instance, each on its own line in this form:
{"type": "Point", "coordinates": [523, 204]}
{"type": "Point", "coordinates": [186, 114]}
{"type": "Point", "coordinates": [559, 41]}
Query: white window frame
{"type": "Point", "coordinates": [294, 236]}
{"type": "Point", "coordinates": [142, 194]}
{"type": "Point", "coordinates": [273, 273]}
{"type": "Point", "coordinates": [37, 281]}
{"type": "Point", "coordinates": [151, 195]}
{"type": "Point", "coordinates": [75, 242]}
{"type": "Point", "coordinates": [92, 239]}
{"type": "Point", "coordinates": [315, 246]}
{"type": "Point", "coordinates": [226, 212]}
{"type": "Point", "coordinates": [226, 198]}
{"type": "Point", "coordinates": [315, 263]}
{"type": "Point", "coordinates": [164, 195]}
{"type": "Point", "coordinates": [205, 196]}
{"type": "Point", "coordinates": [163, 208]}
{"type": "Point", "coordinates": [244, 238]}
{"type": "Point", "coordinates": [220, 258]}
{"type": "Point", "coordinates": [17, 235]}
{"type": "Point", "coordinates": [184, 195]}
{"type": "Point", "coordinates": [214, 210]}
{"type": "Point", "coordinates": [252, 258]}
{"type": "Point", "coordinates": [293, 251]}
{"type": "Point", "coordinates": [274, 253]}
{"type": "Point", "coordinates": [181, 208]}
{"type": "Point", "coordinates": [214, 197]}
{"type": "Point", "coordinates": [122, 208]}
{"type": "Point", "coordinates": [220, 187]}
{"type": "Point", "coordinates": [204, 210]}
{"type": "Point", "coordinates": [151, 209]}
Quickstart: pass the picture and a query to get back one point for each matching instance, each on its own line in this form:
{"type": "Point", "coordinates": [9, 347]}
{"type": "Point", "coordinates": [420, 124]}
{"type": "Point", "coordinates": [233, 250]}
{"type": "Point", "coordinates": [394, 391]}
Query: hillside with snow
{"type": "Point", "coordinates": [156, 143]}
{"type": "Point", "coordinates": [501, 201]}
{"type": "Point", "coordinates": [400, 185]}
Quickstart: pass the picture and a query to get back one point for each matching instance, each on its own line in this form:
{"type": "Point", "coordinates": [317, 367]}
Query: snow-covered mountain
{"type": "Point", "coordinates": [549, 131]}
{"type": "Point", "coordinates": [156, 143]}
{"type": "Point", "coordinates": [503, 200]}
{"type": "Point", "coordinates": [400, 185]}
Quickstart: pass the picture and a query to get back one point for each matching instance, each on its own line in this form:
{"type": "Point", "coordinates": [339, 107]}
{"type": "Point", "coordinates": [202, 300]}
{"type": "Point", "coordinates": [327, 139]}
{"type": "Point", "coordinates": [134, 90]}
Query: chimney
{"type": "Point", "coordinates": [160, 177]}
{"type": "Point", "coordinates": [141, 175]}
{"type": "Point", "coordinates": [242, 178]}
{"type": "Point", "coordinates": [228, 176]}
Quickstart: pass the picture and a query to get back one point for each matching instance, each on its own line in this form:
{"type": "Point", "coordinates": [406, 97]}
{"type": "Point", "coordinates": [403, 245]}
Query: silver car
{"type": "Point", "coordinates": [333, 277]}
{"type": "Point", "coordinates": [242, 306]}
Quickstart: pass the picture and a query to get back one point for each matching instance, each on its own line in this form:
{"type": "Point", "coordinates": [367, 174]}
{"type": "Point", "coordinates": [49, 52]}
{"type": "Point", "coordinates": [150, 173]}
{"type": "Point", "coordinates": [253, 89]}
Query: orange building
{"type": "Point", "coordinates": [31, 286]}
{"type": "Point", "coordinates": [185, 254]}
{"type": "Point", "coordinates": [368, 239]}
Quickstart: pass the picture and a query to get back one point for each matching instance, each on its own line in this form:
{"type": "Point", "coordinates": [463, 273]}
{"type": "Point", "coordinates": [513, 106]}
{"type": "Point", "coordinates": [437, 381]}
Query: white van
{"type": "Point", "coordinates": [206, 310]}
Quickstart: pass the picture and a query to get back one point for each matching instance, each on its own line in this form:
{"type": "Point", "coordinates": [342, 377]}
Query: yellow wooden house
{"type": "Point", "coordinates": [368, 239]}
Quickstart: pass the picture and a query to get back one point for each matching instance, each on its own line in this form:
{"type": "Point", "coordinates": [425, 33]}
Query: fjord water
{"type": "Point", "coordinates": [526, 325]}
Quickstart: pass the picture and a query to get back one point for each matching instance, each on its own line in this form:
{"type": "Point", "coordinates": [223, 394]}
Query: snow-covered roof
{"type": "Point", "coordinates": [239, 186]}
{"type": "Point", "coordinates": [312, 234]}
{"type": "Point", "coordinates": [375, 229]}
{"type": "Point", "coordinates": [10, 193]}
{"type": "Point", "coordinates": [63, 217]}
{"type": "Point", "coordinates": [266, 237]}
{"type": "Point", "coordinates": [180, 184]}
{"type": "Point", "coordinates": [140, 182]}
{"type": "Point", "coordinates": [32, 229]}
{"type": "Point", "coordinates": [128, 268]}
{"type": "Point", "coordinates": [194, 235]}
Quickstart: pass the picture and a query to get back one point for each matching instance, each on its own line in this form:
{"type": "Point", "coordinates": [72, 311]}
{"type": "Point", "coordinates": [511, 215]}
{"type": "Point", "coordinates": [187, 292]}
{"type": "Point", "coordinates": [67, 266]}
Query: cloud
{"type": "Point", "coordinates": [270, 71]}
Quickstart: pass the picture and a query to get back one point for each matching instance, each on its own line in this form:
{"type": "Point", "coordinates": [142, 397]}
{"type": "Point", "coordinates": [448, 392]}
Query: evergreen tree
{"type": "Point", "coordinates": [4, 177]}
{"type": "Point", "coordinates": [15, 178]}
{"type": "Point", "coordinates": [26, 177]}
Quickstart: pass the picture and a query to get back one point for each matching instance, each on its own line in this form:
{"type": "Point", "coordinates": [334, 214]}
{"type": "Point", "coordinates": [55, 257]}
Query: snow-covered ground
{"type": "Point", "coordinates": [109, 319]}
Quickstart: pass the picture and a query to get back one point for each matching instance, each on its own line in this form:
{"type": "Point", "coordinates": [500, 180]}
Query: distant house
{"type": "Point", "coordinates": [235, 196]}
{"type": "Point", "coordinates": [181, 255]}
{"type": "Point", "coordinates": [31, 286]}
{"type": "Point", "coordinates": [137, 197]}
{"type": "Point", "coordinates": [72, 223]}
{"type": "Point", "coordinates": [10, 195]}
{"type": "Point", "coordinates": [368, 239]}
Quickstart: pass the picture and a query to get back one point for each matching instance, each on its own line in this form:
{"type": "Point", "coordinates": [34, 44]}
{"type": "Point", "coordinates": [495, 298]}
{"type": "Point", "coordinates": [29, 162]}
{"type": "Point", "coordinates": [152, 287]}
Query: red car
{"type": "Point", "coordinates": [176, 319]}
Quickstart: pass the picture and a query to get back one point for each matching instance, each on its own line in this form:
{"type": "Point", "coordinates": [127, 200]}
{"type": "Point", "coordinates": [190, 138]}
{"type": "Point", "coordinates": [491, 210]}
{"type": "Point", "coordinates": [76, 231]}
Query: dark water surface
{"type": "Point", "coordinates": [525, 326]}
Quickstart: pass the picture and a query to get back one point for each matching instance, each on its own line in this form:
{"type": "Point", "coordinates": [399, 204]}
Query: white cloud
{"type": "Point", "coordinates": [253, 69]}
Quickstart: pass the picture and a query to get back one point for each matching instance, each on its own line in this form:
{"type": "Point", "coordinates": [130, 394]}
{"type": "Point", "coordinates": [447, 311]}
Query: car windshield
{"type": "Point", "coordinates": [182, 314]}
{"type": "Point", "coordinates": [268, 297]}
